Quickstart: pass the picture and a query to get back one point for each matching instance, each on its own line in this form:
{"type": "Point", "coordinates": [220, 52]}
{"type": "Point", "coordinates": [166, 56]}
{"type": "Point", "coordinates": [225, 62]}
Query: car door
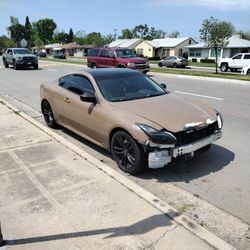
{"type": "Point", "coordinates": [103, 58]}
{"type": "Point", "coordinates": [169, 61]}
{"type": "Point", "coordinates": [110, 59]}
{"type": "Point", "coordinates": [236, 62]}
{"type": "Point", "coordinates": [83, 117]}
{"type": "Point", "coordinates": [246, 60]}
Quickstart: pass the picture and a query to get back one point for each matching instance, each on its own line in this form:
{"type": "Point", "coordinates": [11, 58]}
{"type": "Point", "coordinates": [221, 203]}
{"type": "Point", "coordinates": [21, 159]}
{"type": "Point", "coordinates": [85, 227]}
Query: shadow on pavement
{"type": "Point", "coordinates": [137, 228]}
{"type": "Point", "coordinates": [201, 165]}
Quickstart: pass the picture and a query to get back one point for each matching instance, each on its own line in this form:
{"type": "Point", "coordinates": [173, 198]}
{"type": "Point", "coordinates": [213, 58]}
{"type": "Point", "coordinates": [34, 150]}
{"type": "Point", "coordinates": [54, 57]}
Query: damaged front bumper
{"type": "Point", "coordinates": [160, 155]}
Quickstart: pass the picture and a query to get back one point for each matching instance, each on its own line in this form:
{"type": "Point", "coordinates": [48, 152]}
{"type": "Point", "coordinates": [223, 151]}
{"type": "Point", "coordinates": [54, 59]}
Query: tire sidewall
{"type": "Point", "coordinates": [140, 156]}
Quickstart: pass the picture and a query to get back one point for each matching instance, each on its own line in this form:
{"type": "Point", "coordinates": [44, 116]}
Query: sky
{"type": "Point", "coordinates": [104, 16]}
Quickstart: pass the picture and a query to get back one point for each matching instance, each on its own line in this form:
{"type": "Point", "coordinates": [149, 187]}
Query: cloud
{"type": "Point", "coordinates": [222, 5]}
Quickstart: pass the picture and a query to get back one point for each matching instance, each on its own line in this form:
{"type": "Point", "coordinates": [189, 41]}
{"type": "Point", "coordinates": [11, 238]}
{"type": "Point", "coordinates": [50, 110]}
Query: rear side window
{"type": "Point", "coordinates": [247, 56]}
{"type": "Point", "coordinates": [76, 84]}
{"type": "Point", "coordinates": [103, 53]}
{"type": "Point", "coordinates": [238, 56]}
{"type": "Point", "coordinates": [94, 52]}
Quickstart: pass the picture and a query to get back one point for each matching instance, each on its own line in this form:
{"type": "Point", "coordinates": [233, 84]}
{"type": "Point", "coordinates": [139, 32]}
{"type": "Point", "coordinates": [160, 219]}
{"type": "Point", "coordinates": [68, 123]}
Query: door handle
{"type": "Point", "coordinates": [67, 100]}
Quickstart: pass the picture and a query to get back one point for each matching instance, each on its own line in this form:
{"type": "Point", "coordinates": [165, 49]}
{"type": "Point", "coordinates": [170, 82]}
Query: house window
{"type": "Point", "coordinates": [195, 52]}
{"type": "Point", "coordinates": [212, 54]}
{"type": "Point", "coordinates": [180, 52]}
{"type": "Point", "coordinates": [189, 41]}
{"type": "Point", "coordinates": [139, 51]}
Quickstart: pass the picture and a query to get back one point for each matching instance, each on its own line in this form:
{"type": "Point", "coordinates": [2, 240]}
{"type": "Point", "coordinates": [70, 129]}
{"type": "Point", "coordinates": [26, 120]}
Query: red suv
{"type": "Point", "coordinates": [116, 58]}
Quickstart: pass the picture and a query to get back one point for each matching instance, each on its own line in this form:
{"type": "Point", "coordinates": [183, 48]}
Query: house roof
{"type": "Point", "coordinates": [52, 46]}
{"type": "Point", "coordinates": [125, 43]}
{"type": "Point", "coordinates": [168, 42]}
{"type": "Point", "coordinates": [76, 46]}
{"type": "Point", "coordinates": [233, 42]}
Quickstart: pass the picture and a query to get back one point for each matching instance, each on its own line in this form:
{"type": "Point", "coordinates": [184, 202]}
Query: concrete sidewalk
{"type": "Point", "coordinates": [52, 198]}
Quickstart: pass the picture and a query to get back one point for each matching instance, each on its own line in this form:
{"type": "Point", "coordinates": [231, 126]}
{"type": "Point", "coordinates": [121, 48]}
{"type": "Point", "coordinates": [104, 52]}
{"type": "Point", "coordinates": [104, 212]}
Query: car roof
{"type": "Point", "coordinates": [111, 71]}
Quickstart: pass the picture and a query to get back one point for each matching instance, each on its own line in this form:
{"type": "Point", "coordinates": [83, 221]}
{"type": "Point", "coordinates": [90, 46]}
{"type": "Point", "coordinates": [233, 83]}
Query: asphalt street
{"type": "Point", "coordinates": [219, 177]}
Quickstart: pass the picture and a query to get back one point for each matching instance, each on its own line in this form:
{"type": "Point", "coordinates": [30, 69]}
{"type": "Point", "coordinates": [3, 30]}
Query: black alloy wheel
{"type": "Point", "coordinates": [128, 155]}
{"type": "Point", "coordinates": [48, 115]}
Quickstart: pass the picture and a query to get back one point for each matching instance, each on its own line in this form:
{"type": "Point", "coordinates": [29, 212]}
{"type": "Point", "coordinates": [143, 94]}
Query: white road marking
{"type": "Point", "coordinates": [204, 96]}
{"type": "Point", "coordinates": [54, 70]}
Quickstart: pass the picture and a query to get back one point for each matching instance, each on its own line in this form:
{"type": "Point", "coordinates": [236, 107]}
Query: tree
{"type": "Point", "coordinates": [244, 35]}
{"type": "Point", "coordinates": [6, 42]}
{"type": "Point", "coordinates": [28, 31]}
{"type": "Point", "coordinates": [140, 31]}
{"type": "Point", "coordinates": [174, 34]}
{"type": "Point", "coordinates": [60, 37]}
{"type": "Point", "coordinates": [45, 29]}
{"type": "Point", "coordinates": [16, 30]}
{"type": "Point", "coordinates": [70, 36]}
{"type": "Point", "coordinates": [214, 34]}
{"type": "Point", "coordinates": [126, 34]}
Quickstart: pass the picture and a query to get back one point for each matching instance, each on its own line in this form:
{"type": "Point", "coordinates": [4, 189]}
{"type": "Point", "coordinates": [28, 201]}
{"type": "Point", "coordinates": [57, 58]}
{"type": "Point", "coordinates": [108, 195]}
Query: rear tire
{"type": "Point", "coordinates": [127, 153]}
{"type": "Point", "coordinates": [93, 66]}
{"type": "Point", "coordinates": [48, 115]}
{"type": "Point", "coordinates": [248, 72]}
{"type": "Point", "coordinates": [6, 65]}
{"type": "Point", "coordinates": [160, 64]}
{"type": "Point", "coordinates": [224, 67]}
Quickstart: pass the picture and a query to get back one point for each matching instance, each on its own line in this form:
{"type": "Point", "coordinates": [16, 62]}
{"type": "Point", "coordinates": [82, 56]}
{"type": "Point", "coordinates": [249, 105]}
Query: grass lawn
{"type": "Point", "coordinates": [227, 75]}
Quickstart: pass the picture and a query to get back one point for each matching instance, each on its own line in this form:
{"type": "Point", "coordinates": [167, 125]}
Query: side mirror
{"type": "Point", "coordinates": [163, 85]}
{"type": "Point", "coordinates": [88, 97]}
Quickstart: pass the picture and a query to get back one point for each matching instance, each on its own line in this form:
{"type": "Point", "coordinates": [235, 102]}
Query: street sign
{"type": "Point", "coordinates": [23, 43]}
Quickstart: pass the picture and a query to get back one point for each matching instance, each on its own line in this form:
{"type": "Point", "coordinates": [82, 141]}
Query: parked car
{"type": "Point", "coordinates": [116, 58]}
{"type": "Point", "coordinates": [19, 57]}
{"type": "Point", "coordinates": [246, 70]}
{"type": "Point", "coordinates": [41, 53]}
{"type": "Point", "coordinates": [58, 53]}
{"type": "Point", "coordinates": [173, 61]}
{"type": "Point", "coordinates": [235, 63]}
{"type": "Point", "coordinates": [122, 110]}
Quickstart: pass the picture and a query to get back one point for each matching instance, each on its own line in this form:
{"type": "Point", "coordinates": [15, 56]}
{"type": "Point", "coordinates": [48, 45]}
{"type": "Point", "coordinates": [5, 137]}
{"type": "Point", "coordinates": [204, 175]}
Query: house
{"type": "Point", "coordinates": [125, 43]}
{"type": "Point", "coordinates": [235, 45]}
{"type": "Point", "coordinates": [165, 47]}
{"type": "Point", "coordinates": [49, 47]}
{"type": "Point", "coordinates": [74, 49]}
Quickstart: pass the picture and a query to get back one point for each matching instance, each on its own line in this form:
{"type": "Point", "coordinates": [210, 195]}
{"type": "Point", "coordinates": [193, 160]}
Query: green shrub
{"type": "Point", "coordinates": [206, 60]}
{"type": "Point", "coordinates": [194, 60]}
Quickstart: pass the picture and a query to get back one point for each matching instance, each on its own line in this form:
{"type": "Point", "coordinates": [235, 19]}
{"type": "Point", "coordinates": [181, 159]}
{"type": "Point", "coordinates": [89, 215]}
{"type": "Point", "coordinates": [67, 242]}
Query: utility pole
{"type": "Point", "coordinates": [115, 35]}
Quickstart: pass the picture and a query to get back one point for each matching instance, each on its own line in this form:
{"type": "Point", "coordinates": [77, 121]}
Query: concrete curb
{"type": "Point", "coordinates": [165, 208]}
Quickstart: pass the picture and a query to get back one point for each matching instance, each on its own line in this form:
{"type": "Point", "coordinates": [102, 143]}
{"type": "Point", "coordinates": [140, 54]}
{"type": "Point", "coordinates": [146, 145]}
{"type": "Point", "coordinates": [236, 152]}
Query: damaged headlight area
{"type": "Point", "coordinates": [158, 136]}
{"type": "Point", "coordinates": [159, 145]}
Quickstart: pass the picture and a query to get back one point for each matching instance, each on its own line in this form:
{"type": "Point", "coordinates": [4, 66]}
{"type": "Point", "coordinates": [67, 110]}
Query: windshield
{"type": "Point", "coordinates": [124, 53]}
{"type": "Point", "coordinates": [21, 51]}
{"type": "Point", "coordinates": [123, 87]}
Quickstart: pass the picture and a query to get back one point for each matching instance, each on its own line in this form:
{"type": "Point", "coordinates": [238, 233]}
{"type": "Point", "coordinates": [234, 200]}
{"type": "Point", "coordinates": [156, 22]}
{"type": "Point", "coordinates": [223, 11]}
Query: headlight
{"type": "Point", "coordinates": [219, 120]}
{"type": "Point", "coordinates": [158, 136]}
{"type": "Point", "coordinates": [131, 65]}
{"type": "Point", "coordinates": [19, 57]}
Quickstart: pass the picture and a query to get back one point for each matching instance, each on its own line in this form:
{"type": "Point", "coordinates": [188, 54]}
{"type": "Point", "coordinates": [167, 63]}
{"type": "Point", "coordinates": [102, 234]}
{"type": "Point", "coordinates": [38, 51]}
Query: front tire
{"type": "Point", "coordinates": [224, 67]}
{"type": "Point", "coordinates": [248, 72]}
{"type": "Point", "coordinates": [127, 153]}
{"type": "Point", "coordinates": [93, 66]}
{"type": "Point", "coordinates": [35, 66]}
{"type": "Point", "coordinates": [160, 64]}
{"type": "Point", "coordinates": [15, 65]}
{"type": "Point", "coordinates": [48, 115]}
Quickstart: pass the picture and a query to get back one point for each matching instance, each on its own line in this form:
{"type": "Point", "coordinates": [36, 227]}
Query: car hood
{"type": "Point", "coordinates": [24, 55]}
{"type": "Point", "coordinates": [134, 59]}
{"type": "Point", "coordinates": [169, 111]}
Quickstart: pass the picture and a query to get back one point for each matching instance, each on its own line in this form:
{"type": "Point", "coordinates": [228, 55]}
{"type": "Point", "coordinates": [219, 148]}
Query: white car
{"type": "Point", "coordinates": [246, 70]}
{"type": "Point", "coordinates": [235, 63]}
